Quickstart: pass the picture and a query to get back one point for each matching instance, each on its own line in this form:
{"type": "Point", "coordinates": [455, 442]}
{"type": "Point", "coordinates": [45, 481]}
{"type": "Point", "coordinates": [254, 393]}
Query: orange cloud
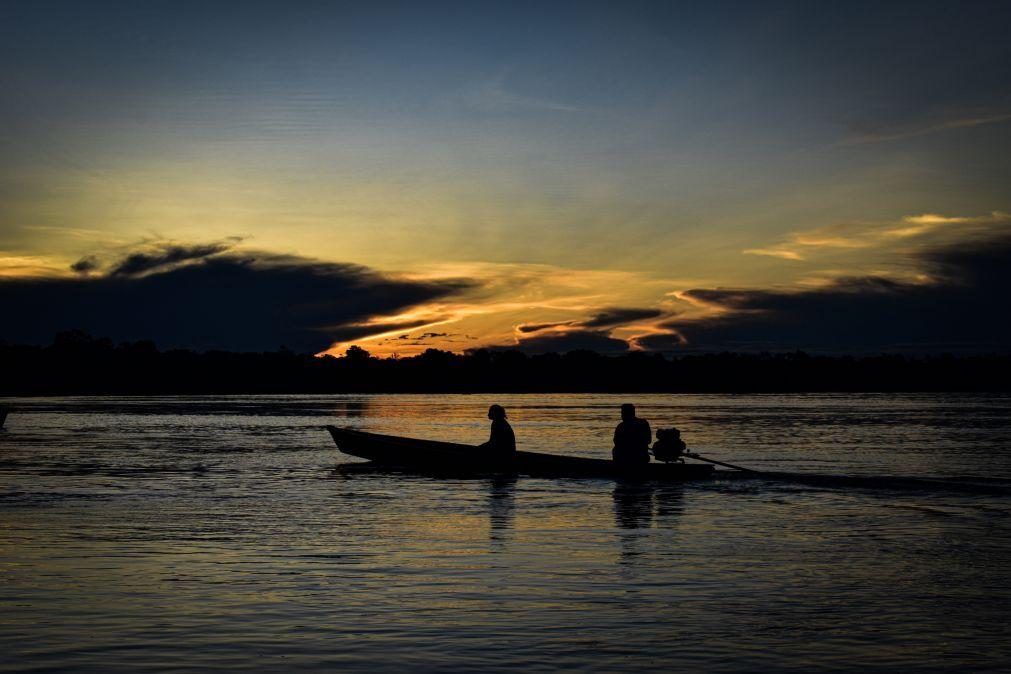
{"type": "Point", "coordinates": [506, 301]}
{"type": "Point", "coordinates": [863, 235]}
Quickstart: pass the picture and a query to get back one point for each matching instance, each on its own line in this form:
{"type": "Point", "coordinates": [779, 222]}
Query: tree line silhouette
{"type": "Point", "coordinates": [76, 363]}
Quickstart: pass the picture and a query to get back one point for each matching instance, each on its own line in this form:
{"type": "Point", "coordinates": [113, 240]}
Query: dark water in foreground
{"type": "Point", "coordinates": [182, 534]}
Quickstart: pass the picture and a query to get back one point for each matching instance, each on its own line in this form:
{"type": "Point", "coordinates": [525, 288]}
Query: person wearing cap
{"type": "Point", "coordinates": [501, 444]}
{"type": "Point", "coordinates": [631, 438]}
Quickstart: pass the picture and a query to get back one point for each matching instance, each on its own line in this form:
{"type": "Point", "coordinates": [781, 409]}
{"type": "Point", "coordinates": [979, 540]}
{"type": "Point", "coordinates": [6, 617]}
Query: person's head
{"type": "Point", "coordinates": [627, 412]}
{"type": "Point", "coordinates": [496, 412]}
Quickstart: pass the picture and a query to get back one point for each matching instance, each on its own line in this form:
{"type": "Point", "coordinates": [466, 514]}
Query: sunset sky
{"type": "Point", "coordinates": [659, 175]}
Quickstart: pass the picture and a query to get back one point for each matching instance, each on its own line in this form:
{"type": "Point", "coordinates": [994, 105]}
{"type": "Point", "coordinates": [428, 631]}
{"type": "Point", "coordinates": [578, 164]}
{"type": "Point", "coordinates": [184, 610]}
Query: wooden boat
{"type": "Point", "coordinates": [3, 415]}
{"type": "Point", "coordinates": [458, 459]}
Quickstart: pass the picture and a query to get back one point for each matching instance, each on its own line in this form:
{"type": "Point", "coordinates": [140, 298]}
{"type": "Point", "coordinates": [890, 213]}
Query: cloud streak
{"type": "Point", "coordinates": [593, 333]}
{"type": "Point", "coordinates": [574, 340]}
{"type": "Point", "coordinates": [615, 316]}
{"type": "Point", "coordinates": [493, 96]}
{"type": "Point", "coordinates": [962, 119]}
{"type": "Point", "coordinates": [610, 317]}
{"type": "Point", "coordinates": [925, 227]}
{"type": "Point", "coordinates": [168, 255]}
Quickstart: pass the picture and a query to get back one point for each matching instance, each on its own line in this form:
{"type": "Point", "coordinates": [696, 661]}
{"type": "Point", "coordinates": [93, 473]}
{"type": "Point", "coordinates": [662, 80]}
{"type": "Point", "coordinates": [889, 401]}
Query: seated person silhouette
{"type": "Point", "coordinates": [669, 446]}
{"type": "Point", "coordinates": [631, 439]}
{"type": "Point", "coordinates": [501, 445]}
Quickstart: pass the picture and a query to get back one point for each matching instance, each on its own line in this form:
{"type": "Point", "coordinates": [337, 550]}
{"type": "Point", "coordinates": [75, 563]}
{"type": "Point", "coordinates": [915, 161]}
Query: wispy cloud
{"type": "Point", "coordinates": [84, 233]}
{"type": "Point", "coordinates": [862, 235]}
{"type": "Point", "coordinates": [527, 328]}
{"type": "Point", "coordinates": [153, 256]}
{"type": "Point", "coordinates": [494, 96]}
{"type": "Point", "coordinates": [775, 252]}
{"type": "Point", "coordinates": [29, 266]}
{"type": "Point", "coordinates": [608, 317]}
{"type": "Point", "coordinates": [960, 119]}
{"type": "Point", "coordinates": [933, 219]}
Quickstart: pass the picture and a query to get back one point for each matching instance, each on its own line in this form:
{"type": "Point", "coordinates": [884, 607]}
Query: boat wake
{"type": "Point", "coordinates": [962, 485]}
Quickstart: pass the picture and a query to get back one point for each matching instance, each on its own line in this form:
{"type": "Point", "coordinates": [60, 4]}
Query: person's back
{"type": "Point", "coordinates": [631, 438]}
{"type": "Point", "coordinates": [501, 443]}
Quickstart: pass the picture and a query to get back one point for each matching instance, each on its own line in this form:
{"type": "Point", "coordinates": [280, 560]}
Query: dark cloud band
{"type": "Point", "coordinates": [575, 340]}
{"type": "Point", "coordinates": [961, 308]}
{"type": "Point", "coordinates": [202, 298]}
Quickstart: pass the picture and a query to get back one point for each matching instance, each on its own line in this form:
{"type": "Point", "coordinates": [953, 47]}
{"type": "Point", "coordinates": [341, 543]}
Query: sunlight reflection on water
{"type": "Point", "coordinates": [215, 532]}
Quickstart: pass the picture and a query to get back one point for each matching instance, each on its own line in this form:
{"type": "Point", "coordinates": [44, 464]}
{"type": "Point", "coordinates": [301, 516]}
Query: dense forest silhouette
{"type": "Point", "coordinates": [76, 363]}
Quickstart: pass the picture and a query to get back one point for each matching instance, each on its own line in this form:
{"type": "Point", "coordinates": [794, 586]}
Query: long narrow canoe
{"type": "Point", "coordinates": [431, 455]}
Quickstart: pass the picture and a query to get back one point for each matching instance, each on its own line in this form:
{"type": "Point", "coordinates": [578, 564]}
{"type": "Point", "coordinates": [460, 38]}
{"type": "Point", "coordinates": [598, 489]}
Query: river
{"type": "Point", "coordinates": [214, 533]}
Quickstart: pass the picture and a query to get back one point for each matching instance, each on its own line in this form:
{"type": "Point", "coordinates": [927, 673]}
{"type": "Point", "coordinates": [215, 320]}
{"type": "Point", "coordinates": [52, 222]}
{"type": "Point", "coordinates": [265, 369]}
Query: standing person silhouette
{"type": "Point", "coordinates": [631, 438]}
{"type": "Point", "coordinates": [501, 445]}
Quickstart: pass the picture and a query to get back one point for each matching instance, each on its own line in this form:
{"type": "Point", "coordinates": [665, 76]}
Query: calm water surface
{"type": "Point", "coordinates": [186, 534]}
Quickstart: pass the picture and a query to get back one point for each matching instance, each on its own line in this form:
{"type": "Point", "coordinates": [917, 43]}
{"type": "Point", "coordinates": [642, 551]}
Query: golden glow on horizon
{"type": "Point", "coordinates": [32, 266]}
{"type": "Point", "coordinates": [506, 296]}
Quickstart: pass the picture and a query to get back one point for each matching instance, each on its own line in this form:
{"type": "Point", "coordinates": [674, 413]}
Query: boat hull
{"type": "Point", "coordinates": [448, 457]}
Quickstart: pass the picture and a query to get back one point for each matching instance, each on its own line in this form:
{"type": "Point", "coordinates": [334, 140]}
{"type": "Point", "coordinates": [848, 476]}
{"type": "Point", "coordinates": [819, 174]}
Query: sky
{"type": "Point", "coordinates": [662, 176]}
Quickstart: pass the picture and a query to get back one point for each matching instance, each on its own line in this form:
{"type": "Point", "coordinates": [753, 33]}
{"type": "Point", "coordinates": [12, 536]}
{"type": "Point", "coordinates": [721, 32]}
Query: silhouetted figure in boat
{"type": "Point", "coordinates": [3, 415]}
{"type": "Point", "coordinates": [669, 446]}
{"type": "Point", "coordinates": [631, 439]}
{"type": "Point", "coordinates": [502, 443]}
